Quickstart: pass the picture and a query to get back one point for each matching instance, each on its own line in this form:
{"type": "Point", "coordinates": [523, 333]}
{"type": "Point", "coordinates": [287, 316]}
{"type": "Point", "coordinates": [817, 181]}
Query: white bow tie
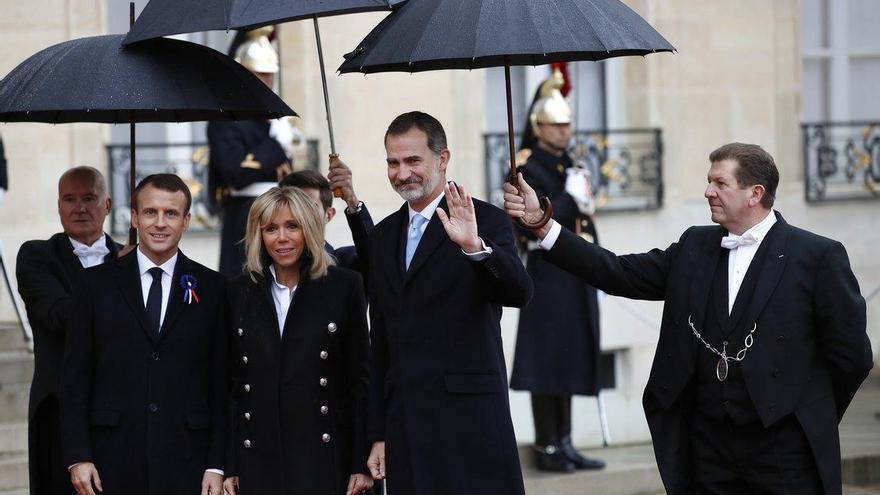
{"type": "Point", "coordinates": [90, 251]}
{"type": "Point", "coordinates": [734, 241]}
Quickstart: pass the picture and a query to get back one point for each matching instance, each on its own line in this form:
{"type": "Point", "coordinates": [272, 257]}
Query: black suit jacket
{"type": "Point", "coordinates": [48, 273]}
{"type": "Point", "coordinates": [810, 353]}
{"type": "Point", "coordinates": [355, 257]}
{"type": "Point", "coordinates": [4, 175]}
{"type": "Point", "coordinates": [286, 410]}
{"type": "Point", "coordinates": [436, 355]}
{"type": "Point", "coordinates": [149, 411]}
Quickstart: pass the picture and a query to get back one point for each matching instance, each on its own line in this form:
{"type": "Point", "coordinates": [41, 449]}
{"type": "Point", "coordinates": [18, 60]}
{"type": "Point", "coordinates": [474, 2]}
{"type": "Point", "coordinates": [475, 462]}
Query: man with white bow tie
{"type": "Point", "coordinates": [762, 343]}
{"type": "Point", "coordinates": [48, 272]}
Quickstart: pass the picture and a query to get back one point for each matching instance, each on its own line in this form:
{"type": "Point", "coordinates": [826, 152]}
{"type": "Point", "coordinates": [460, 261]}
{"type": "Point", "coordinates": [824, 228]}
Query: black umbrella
{"type": "Point", "coordinates": [96, 79]}
{"type": "Point", "coordinates": [167, 17]}
{"type": "Point", "coordinates": [427, 35]}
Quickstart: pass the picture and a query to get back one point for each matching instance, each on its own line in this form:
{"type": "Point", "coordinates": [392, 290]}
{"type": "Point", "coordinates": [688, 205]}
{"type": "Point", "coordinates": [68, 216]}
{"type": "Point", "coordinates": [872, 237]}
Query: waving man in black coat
{"type": "Point", "coordinates": [441, 268]}
{"type": "Point", "coordinates": [762, 343]}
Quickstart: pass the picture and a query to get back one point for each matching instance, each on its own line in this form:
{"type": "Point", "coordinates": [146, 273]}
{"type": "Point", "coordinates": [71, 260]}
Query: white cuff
{"type": "Point", "coordinates": [479, 255]}
{"type": "Point", "coordinates": [547, 242]}
{"type": "Point", "coordinates": [215, 471]}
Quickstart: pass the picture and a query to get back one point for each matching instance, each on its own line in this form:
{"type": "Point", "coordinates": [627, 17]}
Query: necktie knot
{"type": "Point", "coordinates": [415, 226]}
{"type": "Point", "coordinates": [734, 241]}
{"type": "Point", "coordinates": [156, 273]}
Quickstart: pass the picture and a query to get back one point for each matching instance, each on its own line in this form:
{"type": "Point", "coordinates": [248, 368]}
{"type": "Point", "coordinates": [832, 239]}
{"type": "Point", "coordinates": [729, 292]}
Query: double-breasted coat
{"type": "Point", "coordinates": [810, 352]}
{"type": "Point", "coordinates": [557, 341]}
{"type": "Point", "coordinates": [299, 396]}
{"type": "Point", "coordinates": [438, 390]}
{"type": "Point", "coordinates": [149, 411]}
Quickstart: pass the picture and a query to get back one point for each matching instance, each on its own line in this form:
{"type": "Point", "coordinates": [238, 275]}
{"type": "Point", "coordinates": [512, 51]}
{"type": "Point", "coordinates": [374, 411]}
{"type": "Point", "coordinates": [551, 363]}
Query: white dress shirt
{"type": "Point", "coordinates": [428, 213]}
{"type": "Point", "coordinates": [94, 254]}
{"type": "Point", "coordinates": [282, 296]}
{"type": "Point", "coordinates": [547, 242]}
{"type": "Point", "coordinates": [144, 265]}
{"type": "Point", "coordinates": [741, 257]}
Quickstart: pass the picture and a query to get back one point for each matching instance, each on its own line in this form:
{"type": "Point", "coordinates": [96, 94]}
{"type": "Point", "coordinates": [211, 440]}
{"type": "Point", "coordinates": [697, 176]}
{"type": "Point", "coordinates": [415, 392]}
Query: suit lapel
{"type": "Point", "coordinates": [175, 296]}
{"type": "Point", "coordinates": [704, 271]}
{"type": "Point", "coordinates": [771, 271]}
{"type": "Point", "coordinates": [394, 246]}
{"type": "Point", "coordinates": [129, 281]}
{"type": "Point", "coordinates": [64, 249]}
{"type": "Point", "coordinates": [433, 237]}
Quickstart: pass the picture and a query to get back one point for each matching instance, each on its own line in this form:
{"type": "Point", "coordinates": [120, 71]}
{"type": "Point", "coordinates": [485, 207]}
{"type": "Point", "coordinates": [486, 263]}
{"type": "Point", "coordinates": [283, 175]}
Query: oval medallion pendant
{"type": "Point", "coordinates": [721, 369]}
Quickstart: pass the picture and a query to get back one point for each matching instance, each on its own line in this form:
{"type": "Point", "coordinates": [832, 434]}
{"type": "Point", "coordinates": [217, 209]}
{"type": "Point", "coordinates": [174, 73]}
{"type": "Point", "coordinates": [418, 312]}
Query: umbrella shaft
{"type": "Point", "coordinates": [324, 84]}
{"type": "Point", "coordinates": [510, 120]}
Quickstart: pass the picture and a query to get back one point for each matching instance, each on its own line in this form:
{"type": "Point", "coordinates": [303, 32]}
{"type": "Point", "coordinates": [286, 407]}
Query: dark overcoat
{"type": "Point", "coordinates": [810, 353]}
{"type": "Point", "coordinates": [438, 392]}
{"type": "Point", "coordinates": [48, 274]}
{"type": "Point", "coordinates": [299, 400]}
{"type": "Point", "coordinates": [241, 153]}
{"type": "Point", "coordinates": [557, 340]}
{"type": "Point", "coordinates": [150, 412]}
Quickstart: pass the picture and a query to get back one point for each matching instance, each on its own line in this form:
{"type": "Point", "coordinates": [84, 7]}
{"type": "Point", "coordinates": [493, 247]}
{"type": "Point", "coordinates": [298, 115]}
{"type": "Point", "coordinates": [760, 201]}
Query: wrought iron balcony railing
{"type": "Point", "coordinates": [188, 160]}
{"type": "Point", "coordinates": [841, 160]}
{"type": "Point", "coordinates": [626, 166]}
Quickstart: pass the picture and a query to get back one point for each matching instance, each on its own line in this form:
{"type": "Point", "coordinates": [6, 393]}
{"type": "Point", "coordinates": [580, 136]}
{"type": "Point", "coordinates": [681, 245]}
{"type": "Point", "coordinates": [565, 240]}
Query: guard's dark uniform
{"type": "Point", "coordinates": [557, 345]}
{"type": "Point", "coordinates": [242, 154]}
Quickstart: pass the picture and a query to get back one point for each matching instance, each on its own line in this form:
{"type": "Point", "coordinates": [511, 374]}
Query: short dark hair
{"type": "Point", "coordinates": [423, 122]}
{"type": "Point", "coordinates": [165, 182]}
{"type": "Point", "coordinates": [310, 179]}
{"type": "Point", "coordinates": [756, 166]}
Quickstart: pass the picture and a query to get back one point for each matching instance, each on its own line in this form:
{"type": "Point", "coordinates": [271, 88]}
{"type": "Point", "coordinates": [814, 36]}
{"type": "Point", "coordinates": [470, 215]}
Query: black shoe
{"type": "Point", "coordinates": [575, 457]}
{"type": "Point", "coordinates": [551, 458]}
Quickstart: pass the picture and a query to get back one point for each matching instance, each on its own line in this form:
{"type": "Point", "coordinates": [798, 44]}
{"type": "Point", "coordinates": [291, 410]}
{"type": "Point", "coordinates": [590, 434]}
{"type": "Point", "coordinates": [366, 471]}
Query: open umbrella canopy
{"type": "Point", "coordinates": [167, 17]}
{"type": "Point", "coordinates": [469, 34]}
{"type": "Point", "coordinates": [96, 79]}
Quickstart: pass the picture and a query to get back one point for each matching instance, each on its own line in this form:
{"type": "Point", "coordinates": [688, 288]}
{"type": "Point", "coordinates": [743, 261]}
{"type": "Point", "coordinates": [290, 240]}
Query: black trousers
{"type": "Point", "coordinates": [738, 459]}
{"type": "Point", "coordinates": [552, 416]}
{"type": "Point", "coordinates": [48, 475]}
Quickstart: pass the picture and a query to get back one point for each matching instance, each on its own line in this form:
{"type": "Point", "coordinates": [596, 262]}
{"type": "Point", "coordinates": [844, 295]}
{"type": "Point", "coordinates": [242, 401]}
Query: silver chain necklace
{"type": "Point", "coordinates": [722, 368]}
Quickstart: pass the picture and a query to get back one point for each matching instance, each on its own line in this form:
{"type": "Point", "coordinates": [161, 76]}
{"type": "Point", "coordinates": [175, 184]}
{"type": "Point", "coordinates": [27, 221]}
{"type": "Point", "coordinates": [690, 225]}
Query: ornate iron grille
{"type": "Point", "coordinates": [626, 166]}
{"type": "Point", "coordinates": [841, 161]}
{"type": "Point", "coordinates": [188, 160]}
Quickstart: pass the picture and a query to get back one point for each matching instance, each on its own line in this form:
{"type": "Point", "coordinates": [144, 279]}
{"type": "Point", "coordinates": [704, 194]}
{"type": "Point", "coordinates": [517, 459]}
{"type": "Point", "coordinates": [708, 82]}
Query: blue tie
{"type": "Point", "coordinates": [413, 237]}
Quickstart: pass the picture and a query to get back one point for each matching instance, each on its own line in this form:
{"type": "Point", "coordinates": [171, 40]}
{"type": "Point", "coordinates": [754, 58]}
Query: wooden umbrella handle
{"type": "Point", "coordinates": [546, 205]}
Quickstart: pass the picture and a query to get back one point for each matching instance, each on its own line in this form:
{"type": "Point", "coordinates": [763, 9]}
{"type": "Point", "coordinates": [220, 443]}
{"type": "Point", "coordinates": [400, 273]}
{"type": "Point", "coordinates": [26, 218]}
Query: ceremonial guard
{"type": "Point", "coordinates": [247, 158]}
{"type": "Point", "coordinates": [557, 346]}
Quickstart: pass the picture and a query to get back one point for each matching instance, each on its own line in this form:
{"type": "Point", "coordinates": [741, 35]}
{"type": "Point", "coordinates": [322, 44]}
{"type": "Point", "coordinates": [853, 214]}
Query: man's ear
{"type": "Point", "coordinates": [445, 155]}
{"type": "Point", "coordinates": [186, 220]}
{"type": "Point", "coordinates": [329, 213]}
{"type": "Point", "coordinates": [134, 218]}
{"type": "Point", "coordinates": [757, 195]}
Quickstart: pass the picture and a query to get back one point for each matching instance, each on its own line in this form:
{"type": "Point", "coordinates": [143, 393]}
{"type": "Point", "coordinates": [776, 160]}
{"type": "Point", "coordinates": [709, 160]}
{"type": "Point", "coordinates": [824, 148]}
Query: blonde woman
{"type": "Point", "coordinates": [300, 358]}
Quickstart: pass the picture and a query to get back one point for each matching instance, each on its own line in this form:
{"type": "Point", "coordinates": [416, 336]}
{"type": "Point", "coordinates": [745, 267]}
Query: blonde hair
{"type": "Point", "coordinates": [304, 210]}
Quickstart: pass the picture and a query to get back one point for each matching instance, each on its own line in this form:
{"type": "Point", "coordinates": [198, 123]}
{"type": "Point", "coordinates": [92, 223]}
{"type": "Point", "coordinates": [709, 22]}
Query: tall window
{"type": "Point", "coordinates": [841, 60]}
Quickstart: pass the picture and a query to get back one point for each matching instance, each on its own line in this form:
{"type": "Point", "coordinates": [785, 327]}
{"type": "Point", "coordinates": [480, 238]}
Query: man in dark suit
{"type": "Point", "coordinates": [143, 401]}
{"type": "Point", "coordinates": [247, 157]}
{"type": "Point", "coordinates": [356, 214]}
{"type": "Point", "coordinates": [439, 278]}
{"type": "Point", "coordinates": [48, 273]}
{"type": "Point", "coordinates": [762, 343]}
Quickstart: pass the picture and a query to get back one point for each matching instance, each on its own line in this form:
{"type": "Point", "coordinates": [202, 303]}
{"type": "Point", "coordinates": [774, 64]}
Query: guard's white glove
{"type": "Point", "coordinates": [282, 130]}
{"type": "Point", "coordinates": [577, 185]}
{"type": "Point", "coordinates": [2, 195]}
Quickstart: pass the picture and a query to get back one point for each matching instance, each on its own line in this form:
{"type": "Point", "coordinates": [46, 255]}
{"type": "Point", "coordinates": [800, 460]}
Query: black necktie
{"type": "Point", "coordinates": [154, 299]}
